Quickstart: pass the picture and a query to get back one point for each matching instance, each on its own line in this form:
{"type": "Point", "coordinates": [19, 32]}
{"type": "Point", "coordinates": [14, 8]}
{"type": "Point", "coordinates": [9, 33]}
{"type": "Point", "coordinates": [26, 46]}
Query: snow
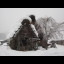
{"type": "Point", "coordinates": [6, 51]}
{"type": "Point", "coordinates": [34, 29]}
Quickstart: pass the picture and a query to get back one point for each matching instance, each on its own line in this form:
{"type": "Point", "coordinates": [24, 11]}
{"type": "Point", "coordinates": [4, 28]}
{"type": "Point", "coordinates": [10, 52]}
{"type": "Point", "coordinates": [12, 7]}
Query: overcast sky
{"type": "Point", "coordinates": [9, 16]}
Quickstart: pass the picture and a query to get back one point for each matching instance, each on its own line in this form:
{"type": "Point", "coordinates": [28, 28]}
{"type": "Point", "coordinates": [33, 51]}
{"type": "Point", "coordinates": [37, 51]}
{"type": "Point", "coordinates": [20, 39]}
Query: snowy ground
{"type": "Point", "coordinates": [6, 51]}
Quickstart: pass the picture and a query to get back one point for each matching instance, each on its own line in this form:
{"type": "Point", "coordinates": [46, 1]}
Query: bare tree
{"type": "Point", "coordinates": [57, 31]}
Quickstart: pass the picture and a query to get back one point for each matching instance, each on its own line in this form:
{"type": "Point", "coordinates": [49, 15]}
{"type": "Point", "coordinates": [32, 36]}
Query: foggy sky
{"type": "Point", "coordinates": [9, 16]}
